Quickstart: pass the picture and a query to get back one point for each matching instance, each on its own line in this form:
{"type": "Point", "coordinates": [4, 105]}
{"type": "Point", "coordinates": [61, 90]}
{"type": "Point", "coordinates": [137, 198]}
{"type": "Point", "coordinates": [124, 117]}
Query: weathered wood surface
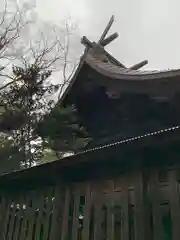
{"type": "Point", "coordinates": [174, 204]}
{"type": "Point", "coordinates": [87, 213]}
{"type": "Point", "coordinates": [113, 209]}
{"type": "Point", "coordinates": [156, 211]}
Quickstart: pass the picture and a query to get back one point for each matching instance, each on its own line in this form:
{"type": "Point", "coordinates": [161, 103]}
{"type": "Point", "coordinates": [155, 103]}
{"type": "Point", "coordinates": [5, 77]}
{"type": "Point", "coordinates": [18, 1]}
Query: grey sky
{"type": "Point", "coordinates": [148, 29]}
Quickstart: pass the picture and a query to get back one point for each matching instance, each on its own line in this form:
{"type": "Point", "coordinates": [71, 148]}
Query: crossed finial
{"type": "Point", "coordinates": [104, 41]}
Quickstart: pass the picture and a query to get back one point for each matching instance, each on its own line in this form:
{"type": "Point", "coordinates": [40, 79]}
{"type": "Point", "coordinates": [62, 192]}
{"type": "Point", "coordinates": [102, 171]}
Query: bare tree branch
{"type": "Point", "coordinates": [26, 89]}
{"type": "Point", "coordinates": [9, 83]}
{"type": "Point", "coordinates": [48, 54]}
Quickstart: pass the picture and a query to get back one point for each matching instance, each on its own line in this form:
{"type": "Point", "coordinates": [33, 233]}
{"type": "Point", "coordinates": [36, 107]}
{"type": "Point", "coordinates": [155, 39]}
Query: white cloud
{"type": "Point", "coordinates": [148, 29]}
{"type": "Point", "coordinates": [56, 10]}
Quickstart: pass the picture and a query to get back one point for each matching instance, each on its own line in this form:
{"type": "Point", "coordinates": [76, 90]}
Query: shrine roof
{"type": "Point", "coordinates": [111, 70]}
{"type": "Point", "coordinates": [100, 60]}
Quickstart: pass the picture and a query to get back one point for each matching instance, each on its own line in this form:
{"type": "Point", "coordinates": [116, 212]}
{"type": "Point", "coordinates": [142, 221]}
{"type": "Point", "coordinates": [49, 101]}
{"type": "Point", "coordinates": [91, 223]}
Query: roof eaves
{"type": "Point", "coordinates": [16, 174]}
{"type": "Point", "coordinates": [112, 71]}
{"type": "Point", "coordinates": [132, 139]}
{"type": "Point", "coordinates": [78, 69]}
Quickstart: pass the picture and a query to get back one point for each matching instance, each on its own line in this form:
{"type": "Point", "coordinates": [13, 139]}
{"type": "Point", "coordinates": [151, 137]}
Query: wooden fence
{"type": "Point", "coordinates": [129, 207]}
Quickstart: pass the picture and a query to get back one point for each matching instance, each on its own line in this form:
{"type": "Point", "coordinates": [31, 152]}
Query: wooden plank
{"type": "Point", "coordinates": [76, 214]}
{"type": "Point", "coordinates": [39, 204]}
{"type": "Point", "coordinates": [158, 233]}
{"type": "Point", "coordinates": [125, 210]}
{"type": "Point", "coordinates": [139, 207]}
{"type": "Point", "coordinates": [31, 214]}
{"type": "Point", "coordinates": [98, 199]}
{"type": "Point", "coordinates": [46, 219]}
{"type": "Point", "coordinates": [12, 218]}
{"type": "Point", "coordinates": [2, 206]}
{"type": "Point", "coordinates": [139, 65]}
{"type": "Point", "coordinates": [28, 215]}
{"type": "Point", "coordinates": [3, 211]}
{"type": "Point", "coordinates": [25, 217]}
{"type": "Point", "coordinates": [117, 215]}
{"type": "Point", "coordinates": [109, 39]}
{"type": "Point", "coordinates": [87, 209]}
{"type": "Point", "coordinates": [58, 204]}
{"type": "Point", "coordinates": [174, 204]}
{"type": "Point", "coordinates": [5, 215]}
{"type": "Point", "coordinates": [19, 215]}
{"type": "Point", "coordinates": [107, 29]}
{"type": "Point", "coordinates": [147, 207]}
{"type": "Point", "coordinates": [110, 212]}
{"type": "Point", "coordinates": [66, 215]}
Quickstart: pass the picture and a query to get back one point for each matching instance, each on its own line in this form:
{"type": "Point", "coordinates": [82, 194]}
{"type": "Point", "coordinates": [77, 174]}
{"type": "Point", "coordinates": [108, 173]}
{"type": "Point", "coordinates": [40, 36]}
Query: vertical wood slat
{"type": "Point", "coordinates": [39, 204]}
{"type": "Point", "coordinates": [25, 217]}
{"type": "Point", "coordinates": [87, 209]}
{"type": "Point", "coordinates": [147, 209]}
{"type": "Point", "coordinates": [139, 207]}
{"type": "Point", "coordinates": [12, 219]}
{"type": "Point", "coordinates": [46, 218]}
{"type": "Point", "coordinates": [28, 219]}
{"type": "Point", "coordinates": [2, 212]}
{"type": "Point", "coordinates": [98, 198]}
{"type": "Point", "coordinates": [66, 215]}
{"type": "Point", "coordinates": [57, 212]}
{"type": "Point", "coordinates": [76, 214]}
{"type": "Point", "coordinates": [118, 214]}
{"type": "Point", "coordinates": [125, 211]}
{"type": "Point", "coordinates": [19, 218]}
{"type": "Point", "coordinates": [6, 212]}
{"type": "Point", "coordinates": [110, 212]}
{"type": "Point", "coordinates": [158, 232]}
{"type": "Point", "coordinates": [174, 204]}
{"type": "Point", "coordinates": [30, 214]}
{"type": "Point", "coordinates": [5, 209]}
{"type": "Point", "coordinates": [154, 194]}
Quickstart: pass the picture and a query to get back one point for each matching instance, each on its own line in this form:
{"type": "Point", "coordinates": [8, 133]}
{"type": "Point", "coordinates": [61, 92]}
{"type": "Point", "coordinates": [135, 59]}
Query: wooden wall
{"type": "Point", "coordinates": [139, 206]}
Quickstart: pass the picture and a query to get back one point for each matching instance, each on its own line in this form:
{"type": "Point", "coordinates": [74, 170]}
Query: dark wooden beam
{"type": "Point", "coordinates": [85, 41]}
{"type": "Point", "coordinates": [139, 65]}
{"type": "Point", "coordinates": [109, 39]}
{"type": "Point", "coordinates": [107, 28]}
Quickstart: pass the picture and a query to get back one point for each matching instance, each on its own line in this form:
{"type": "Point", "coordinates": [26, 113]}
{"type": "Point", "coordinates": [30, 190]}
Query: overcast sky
{"type": "Point", "coordinates": [148, 29]}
